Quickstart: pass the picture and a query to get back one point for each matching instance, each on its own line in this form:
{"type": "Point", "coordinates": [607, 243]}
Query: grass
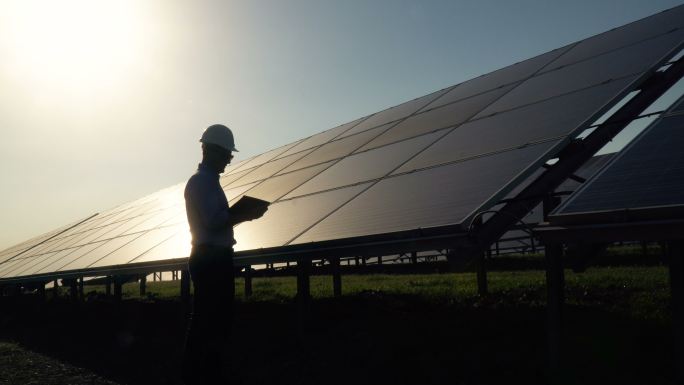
{"type": "Point", "coordinates": [643, 291]}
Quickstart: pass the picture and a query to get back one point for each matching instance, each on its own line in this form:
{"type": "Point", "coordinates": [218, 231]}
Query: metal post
{"type": "Point", "coordinates": [185, 286]}
{"type": "Point", "coordinates": [248, 281]}
{"type": "Point", "coordinates": [379, 259]}
{"type": "Point", "coordinates": [80, 289]}
{"type": "Point", "coordinates": [41, 291]}
{"type": "Point", "coordinates": [303, 293]}
{"type": "Point", "coordinates": [337, 276]}
{"type": "Point", "coordinates": [143, 285]}
{"type": "Point", "coordinates": [108, 286]}
{"type": "Point", "coordinates": [676, 256]}
{"type": "Point", "coordinates": [118, 292]}
{"type": "Point", "coordinates": [414, 257]}
{"type": "Point", "coordinates": [73, 289]}
{"type": "Point", "coordinates": [55, 289]}
{"type": "Point", "coordinates": [482, 274]}
{"type": "Point", "coordinates": [555, 286]}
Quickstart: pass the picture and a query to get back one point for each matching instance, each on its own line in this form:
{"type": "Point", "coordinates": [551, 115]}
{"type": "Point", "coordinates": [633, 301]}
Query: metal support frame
{"type": "Point", "coordinates": [336, 276]}
{"type": "Point", "coordinates": [143, 285]}
{"type": "Point", "coordinates": [73, 290]}
{"type": "Point", "coordinates": [41, 291]}
{"type": "Point", "coordinates": [248, 281]}
{"type": "Point", "coordinates": [676, 259]}
{"type": "Point", "coordinates": [118, 290]}
{"type": "Point", "coordinates": [55, 289]}
{"type": "Point", "coordinates": [571, 158]}
{"type": "Point", "coordinates": [555, 286]}
{"type": "Point", "coordinates": [81, 295]}
{"type": "Point", "coordinates": [108, 286]}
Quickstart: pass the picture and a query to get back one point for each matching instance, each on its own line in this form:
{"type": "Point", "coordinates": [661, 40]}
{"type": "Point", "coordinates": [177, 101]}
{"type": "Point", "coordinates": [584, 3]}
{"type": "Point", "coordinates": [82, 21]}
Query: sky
{"type": "Point", "coordinates": [102, 102]}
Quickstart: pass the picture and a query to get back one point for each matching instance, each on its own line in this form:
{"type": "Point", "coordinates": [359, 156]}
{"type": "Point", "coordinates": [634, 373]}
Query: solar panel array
{"type": "Point", "coordinates": [647, 175]}
{"type": "Point", "coordinates": [433, 161]}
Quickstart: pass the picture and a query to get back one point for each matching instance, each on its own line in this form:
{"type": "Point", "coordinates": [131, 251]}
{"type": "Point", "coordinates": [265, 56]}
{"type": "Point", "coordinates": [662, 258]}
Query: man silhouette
{"type": "Point", "coordinates": [211, 261]}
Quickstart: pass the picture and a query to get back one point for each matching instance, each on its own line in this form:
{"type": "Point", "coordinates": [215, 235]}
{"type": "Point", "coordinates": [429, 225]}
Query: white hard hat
{"type": "Point", "coordinates": [219, 135]}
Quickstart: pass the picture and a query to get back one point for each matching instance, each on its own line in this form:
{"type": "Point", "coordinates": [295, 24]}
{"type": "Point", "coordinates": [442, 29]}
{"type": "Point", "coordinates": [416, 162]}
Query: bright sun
{"type": "Point", "coordinates": [74, 46]}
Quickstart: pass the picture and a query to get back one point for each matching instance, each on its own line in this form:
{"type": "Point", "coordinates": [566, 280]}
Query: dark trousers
{"type": "Point", "coordinates": [206, 357]}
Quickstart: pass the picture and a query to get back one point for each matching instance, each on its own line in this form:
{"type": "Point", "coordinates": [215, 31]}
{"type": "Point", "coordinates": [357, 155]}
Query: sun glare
{"type": "Point", "coordinates": [75, 46]}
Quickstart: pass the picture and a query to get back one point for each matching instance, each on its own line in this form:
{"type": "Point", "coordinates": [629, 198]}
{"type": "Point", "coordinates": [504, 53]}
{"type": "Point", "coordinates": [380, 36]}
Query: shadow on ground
{"type": "Point", "coordinates": [370, 338]}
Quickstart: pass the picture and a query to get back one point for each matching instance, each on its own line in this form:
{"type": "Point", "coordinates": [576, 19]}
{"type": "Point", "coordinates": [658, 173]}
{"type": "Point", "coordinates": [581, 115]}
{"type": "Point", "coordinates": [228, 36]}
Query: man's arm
{"type": "Point", "coordinates": [213, 215]}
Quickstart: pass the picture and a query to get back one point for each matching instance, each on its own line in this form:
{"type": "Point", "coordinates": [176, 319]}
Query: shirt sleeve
{"type": "Point", "coordinates": [211, 208]}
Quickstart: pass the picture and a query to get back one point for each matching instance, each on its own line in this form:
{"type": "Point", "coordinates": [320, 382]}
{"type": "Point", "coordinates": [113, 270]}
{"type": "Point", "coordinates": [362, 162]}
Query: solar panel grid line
{"type": "Point", "coordinates": [553, 118]}
{"type": "Point", "coordinates": [254, 161]}
{"type": "Point", "coordinates": [153, 247]}
{"type": "Point", "coordinates": [53, 236]}
{"type": "Point", "coordinates": [333, 162]}
{"type": "Point", "coordinates": [513, 86]}
{"type": "Point", "coordinates": [74, 246]}
{"type": "Point", "coordinates": [96, 241]}
{"type": "Point", "coordinates": [435, 95]}
{"type": "Point", "coordinates": [271, 167]}
{"type": "Point", "coordinates": [339, 135]}
{"type": "Point", "coordinates": [91, 259]}
{"type": "Point", "coordinates": [667, 21]}
{"type": "Point", "coordinates": [475, 87]}
{"type": "Point", "coordinates": [429, 197]}
{"type": "Point", "coordinates": [628, 61]}
{"type": "Point", "coordinates": [93, 233]}
{"type": "Point", "coordinates": [492, 153]}
{"type": "Point", "coordinates": [337, 149]}
{"type": "Point", "coordinates": [447, 131]}
{"type": "Point", "coordinates": [362, 191]}
{"type": "Point", "coordinates": [51, 261]}
{"type": "Point", "coordinates": [317, 169]}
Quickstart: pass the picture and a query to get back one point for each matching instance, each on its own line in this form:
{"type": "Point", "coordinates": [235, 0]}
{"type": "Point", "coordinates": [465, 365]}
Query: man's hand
{"type": "Point", "coordinates": [248, 215]}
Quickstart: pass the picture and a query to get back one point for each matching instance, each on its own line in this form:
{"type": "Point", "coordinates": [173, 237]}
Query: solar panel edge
{"type": "Point", "coordinates": [557, 212]}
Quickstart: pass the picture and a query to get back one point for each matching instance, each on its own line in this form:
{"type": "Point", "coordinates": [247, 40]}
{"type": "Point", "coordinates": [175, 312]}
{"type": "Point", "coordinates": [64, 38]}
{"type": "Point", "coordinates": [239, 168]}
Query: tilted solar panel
{"type": "Point", "coordinates": [646, 179]}
{"type": "Point", "coordinates": [431, 162]}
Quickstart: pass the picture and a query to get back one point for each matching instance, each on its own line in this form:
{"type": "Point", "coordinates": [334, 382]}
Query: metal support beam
{"type": "Point", "coordinates": [143, 285]}
{"type": "Point", "coordinates": [303, 282]}
{"type": "Point", "coordinates": [118, 292]}
{"type": "Point", "coordinates": [248, 281]}
{"type": "Point", "coordinates": [676, 257]}
{"type": "Point", "coordinates": [73, 290]}
{"type": "Point", "coordinates": [55, 289]}
{"type": "Point", "coordinates": [414, 257]}
{"type": "Point", "coordinates": [108, 286]}
{"type": "Point", "coordinates": [41, 291]}
{"type": "Point", "coordinates": [572, 157]}
{"type": "Point", "coordinates": [81, 296]}
{"type": "Point", "coordinates": [337, 276]}
{"type": "Point", "coordinates": [555, 286]}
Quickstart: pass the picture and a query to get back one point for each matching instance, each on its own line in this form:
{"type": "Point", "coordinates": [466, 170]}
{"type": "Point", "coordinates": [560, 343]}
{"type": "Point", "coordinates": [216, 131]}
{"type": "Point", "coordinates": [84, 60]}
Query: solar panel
{"type": "Point", "coordinates": [365, 166]}
{"type": "Point", "coordinates": [433, 197]}
{"type": "Point", "coordinates": [431, 162]}
{"type": "Point", "coordinates": [647, 175]}
{"type": "Point", "coordinates": [549, 119]}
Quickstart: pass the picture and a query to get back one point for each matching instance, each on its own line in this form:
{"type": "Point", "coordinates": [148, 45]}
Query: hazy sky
{"type": "Point", "coordinates": [103, 102]}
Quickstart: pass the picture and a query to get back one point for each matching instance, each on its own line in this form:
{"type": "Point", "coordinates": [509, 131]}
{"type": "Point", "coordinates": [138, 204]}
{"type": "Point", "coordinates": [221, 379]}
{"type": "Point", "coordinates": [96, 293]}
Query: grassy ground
{"type": "Point", "coordinates": [401, 329]}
